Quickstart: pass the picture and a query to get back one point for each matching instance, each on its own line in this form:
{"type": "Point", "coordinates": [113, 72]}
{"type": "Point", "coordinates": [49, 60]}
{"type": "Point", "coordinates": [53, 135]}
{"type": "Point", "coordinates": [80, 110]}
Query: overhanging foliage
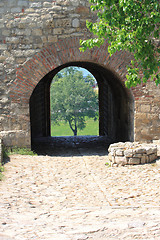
{"type": "Point", "coordinates": [131, 25]}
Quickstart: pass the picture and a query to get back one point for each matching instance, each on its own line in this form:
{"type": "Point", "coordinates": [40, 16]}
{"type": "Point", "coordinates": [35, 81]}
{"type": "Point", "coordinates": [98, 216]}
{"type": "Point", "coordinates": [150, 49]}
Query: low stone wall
{"type": "Point", "coordinates": [1, 152]}
{"type": "Point", "coordinates": [18, 138]}
{"type": "Point", "coordinates": [129, 153]}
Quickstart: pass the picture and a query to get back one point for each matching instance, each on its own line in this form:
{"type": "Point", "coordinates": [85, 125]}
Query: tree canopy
{"type": "Point", "coordinates": [73, 98]}
{"type": "Point", "coordinates": [131, 25]}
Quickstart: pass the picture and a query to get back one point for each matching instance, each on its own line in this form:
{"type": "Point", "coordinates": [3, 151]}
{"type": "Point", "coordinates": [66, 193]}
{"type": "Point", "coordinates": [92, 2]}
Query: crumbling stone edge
{"type": "Point", "coordinates": [131, 153]}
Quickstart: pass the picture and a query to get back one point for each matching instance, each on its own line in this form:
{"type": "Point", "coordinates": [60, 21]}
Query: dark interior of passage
{"type": "Point", "coordinates": [115, 105]}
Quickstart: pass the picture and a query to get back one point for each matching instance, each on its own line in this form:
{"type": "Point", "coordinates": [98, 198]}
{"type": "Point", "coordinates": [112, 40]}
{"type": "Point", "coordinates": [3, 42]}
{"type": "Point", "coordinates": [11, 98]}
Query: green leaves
{"type": "Point", "coordinates": [129, 25]}
{"type": "Point", "coordinates": [91, 43]}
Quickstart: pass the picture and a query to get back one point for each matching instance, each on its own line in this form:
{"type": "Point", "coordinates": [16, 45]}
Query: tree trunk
{"type": "Point", "coordinates": [73, 130]}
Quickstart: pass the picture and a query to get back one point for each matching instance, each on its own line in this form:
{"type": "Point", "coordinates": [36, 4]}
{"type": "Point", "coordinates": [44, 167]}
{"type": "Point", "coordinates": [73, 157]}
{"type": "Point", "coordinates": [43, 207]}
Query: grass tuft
{"type": "Point", "coordinates": [1, 170]}
{"type": "Point", "coordinates": [17, 150]}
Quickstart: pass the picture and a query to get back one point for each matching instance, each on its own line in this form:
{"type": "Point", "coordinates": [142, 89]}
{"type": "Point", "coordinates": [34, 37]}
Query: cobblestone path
{"type": "Point", "coordinates": [77, 198]}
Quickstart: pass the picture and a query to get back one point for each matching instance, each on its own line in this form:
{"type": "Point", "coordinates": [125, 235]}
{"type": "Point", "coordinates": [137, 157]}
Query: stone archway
{"type": "Point", "coordinates": [114, 104]}
{"type": "Point", "coordinates": [33, 80]}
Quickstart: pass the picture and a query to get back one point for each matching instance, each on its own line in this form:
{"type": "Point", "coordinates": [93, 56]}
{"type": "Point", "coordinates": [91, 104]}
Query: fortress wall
{"type": "Point", "coordinates": [29, 28]}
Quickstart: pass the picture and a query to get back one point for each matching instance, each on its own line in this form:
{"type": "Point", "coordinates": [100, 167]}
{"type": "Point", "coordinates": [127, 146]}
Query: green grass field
{"type": "Point", "coordinates": [92, 128]}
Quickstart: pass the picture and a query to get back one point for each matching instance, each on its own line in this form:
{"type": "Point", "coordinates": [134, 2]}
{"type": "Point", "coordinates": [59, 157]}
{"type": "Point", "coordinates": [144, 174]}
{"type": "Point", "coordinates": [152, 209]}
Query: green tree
{"type": "Point", "coordinates": [72, 99]}
{"type": "Point", "coordinates": [131, 25]}
{"type": "Point", "coordinates": [89, 79]}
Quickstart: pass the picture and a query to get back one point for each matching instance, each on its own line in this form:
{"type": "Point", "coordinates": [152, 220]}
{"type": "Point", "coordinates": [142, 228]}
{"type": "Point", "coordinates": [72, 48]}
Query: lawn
{"type": "Point", "coordinates": [92, 128]}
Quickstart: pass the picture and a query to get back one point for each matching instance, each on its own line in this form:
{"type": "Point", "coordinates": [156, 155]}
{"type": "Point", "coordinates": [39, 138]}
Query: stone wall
{"type": "Point", "coordinates": [1, 151]}
{"type": "Point", "coordinates": [26, 27]}
{"type": "Point", "coordinates": [37, 36]}
{"type": "Point", "coordinates": [131, 153]}
{"type": "Point", "coordinates": [147, 112]}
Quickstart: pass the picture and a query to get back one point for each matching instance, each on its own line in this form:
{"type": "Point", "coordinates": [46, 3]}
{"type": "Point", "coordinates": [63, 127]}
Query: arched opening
{"type": "Point", "coordinates": [74, 107]}
{"type": "Point", "coordinates": [116, 107]}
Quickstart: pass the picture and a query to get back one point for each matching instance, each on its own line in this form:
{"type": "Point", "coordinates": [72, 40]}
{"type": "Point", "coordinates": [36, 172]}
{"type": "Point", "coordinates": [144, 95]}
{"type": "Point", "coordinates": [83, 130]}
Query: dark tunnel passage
{"type": "Point", "coordinates": [116, 108]}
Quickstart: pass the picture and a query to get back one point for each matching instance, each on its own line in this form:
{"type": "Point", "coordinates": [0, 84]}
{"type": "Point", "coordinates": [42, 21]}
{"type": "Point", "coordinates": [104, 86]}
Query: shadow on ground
{"type": "Point", "coordinates": [71, 146]}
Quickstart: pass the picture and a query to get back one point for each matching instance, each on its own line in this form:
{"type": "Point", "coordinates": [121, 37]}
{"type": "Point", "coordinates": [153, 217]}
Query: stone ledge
{"type": "Point", "coordinates": [131, 153]}
{"type": "Point", "coordinates": [16, 138]}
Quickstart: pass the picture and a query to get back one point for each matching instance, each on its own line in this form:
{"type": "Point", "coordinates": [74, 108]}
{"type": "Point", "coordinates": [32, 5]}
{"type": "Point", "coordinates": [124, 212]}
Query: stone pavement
{"type": "Point", "coordinates": [75, 196]}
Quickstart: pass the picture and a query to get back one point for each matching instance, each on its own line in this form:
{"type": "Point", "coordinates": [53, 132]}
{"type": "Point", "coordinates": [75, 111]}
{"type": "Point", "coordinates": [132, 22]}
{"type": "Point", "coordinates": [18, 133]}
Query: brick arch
{"type": "Point", "coordinates": [115, 106]}
{"type": "Point", "coordinates": [57, 54]}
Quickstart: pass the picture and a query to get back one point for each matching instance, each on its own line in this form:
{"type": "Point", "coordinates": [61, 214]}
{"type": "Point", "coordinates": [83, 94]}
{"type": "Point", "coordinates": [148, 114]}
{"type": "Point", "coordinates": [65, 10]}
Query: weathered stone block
{"type": "Point", "coordinates": [134, 160]}
{"type": "Point", "coordinates": [52, 38]}
{"type": "Point", "coordinates": [140, 150]}
{"type": "Point", "coordinates": [120, 160]}
{"type": "Point", "coordinates": [152, 157]}
{"type": "Point", "coordinates": [37, 32]}
{"type": "Point", "coordinates": [57, 31]}
{"type": "Point", "coordinates": [145, 108]}
{"type": "Point", "coordinates": [112, 152]}
{"type": "Point", "coordinates": [128, 153]}
{"type": "Point", "coordinates": [35, 5]}
{"type": "Point", "coordinates": [154, 149]}
{"type": "Point", "coordinates": [17, 138]}
{"type": "Point", "coordinates": [119, 152]}
{"type": "Point", "coordinates": [3, 46]}
{"type": "Point", "coordinates": [144, 159]}
{"type": "Point", "coordinates": [149, 150]}
{"type": "Point", "coordinates": [63, 23]}
{"type": "Point", "coordinates": [56, 8]}
{"type": "Point", "coordinates": [140, 116]}
{"type": "Point", "coordinates": [110, 157]}
{"type": "Point", "coordinates": [15, 9]}
{"type": "Point", "coordinates": [139, 155]}
{"type": "Point", "coordinates": [47, 4]}
{"type": "Point", "coordinates": [153, 116]}
{"type": "Point", "coordinates": [12, 39]}
{"type": "Point", "coordinates": [75, 23]}
{"type": "Point", "coordinates": [82, 10]}
{"type": "Point", "coordinates": [6, 33]}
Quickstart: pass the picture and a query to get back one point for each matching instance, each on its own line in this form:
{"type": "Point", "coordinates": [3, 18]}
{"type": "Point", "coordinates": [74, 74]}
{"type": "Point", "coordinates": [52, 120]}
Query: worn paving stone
{"type": "Point", "coordinates": [78, 197]}
{"type": "Point", "coordinates": [4, 237]}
